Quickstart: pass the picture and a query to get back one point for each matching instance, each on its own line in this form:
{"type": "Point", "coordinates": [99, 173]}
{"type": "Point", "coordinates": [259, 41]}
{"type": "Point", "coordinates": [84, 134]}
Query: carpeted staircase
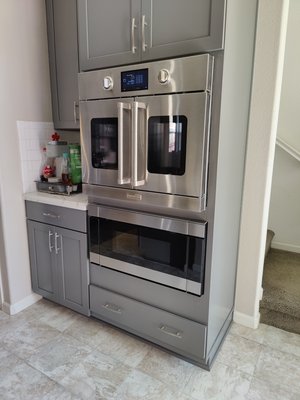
{"type": "Point", "coordinates": [280, 305]}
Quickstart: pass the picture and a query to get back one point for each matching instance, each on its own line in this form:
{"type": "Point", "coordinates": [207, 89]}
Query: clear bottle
{"type": "Point", "coordinates": [65, 174]}
{"type": "Point", "coordinates": [47, 168]}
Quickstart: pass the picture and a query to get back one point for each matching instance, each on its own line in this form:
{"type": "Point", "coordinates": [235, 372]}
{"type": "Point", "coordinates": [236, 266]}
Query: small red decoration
{"type": "Point", "coordinates": [55, 137]}
{"type": "Point", "coordinates": [48, 171]}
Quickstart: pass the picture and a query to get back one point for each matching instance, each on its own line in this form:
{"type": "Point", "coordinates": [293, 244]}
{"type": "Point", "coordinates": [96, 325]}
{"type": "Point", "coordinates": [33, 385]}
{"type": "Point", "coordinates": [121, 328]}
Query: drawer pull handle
{"type": "Point", "coordinates": [170, 331]}
{"type": "Point", "coordinates": [50, 215]}
{"type": "Point", "coordinates": [112, 307]}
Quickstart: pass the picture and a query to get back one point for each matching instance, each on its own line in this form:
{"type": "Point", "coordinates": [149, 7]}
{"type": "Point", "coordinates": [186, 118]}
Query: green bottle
{"type": "Point", "coordinates": [75, 163]}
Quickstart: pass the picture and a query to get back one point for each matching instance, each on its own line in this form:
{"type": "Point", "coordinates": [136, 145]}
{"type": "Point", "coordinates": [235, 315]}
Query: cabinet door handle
{"type": "Point", "coordinates": [49, 241]}
{"type": "Point", "coordinates": [171, 331]}
{"type": "Point", "coordinates": [133, 27]}
{"type": "Point", "coordinates": [55, 243]}
{"type": "Point", "coordinates": [112, 307]}
{"type": "Point", "coordinates": [51, 215]}
{"type": "Point", "coordinates": [144, 23]}
{"type": "Point", "coordinates": [75, 106]}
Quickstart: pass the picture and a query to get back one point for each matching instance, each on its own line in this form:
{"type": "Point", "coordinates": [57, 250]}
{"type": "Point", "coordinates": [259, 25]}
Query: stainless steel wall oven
{"type": "Point", "coordinates": [145, 143]}
{"type": "Point", "coordinates": [145, 133]}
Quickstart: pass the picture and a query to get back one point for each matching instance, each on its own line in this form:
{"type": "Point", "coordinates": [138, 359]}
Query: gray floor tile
{"type": "Point", "coordinates": [256, 335]}
{"type": "Point", "coordinates": [122, 346]}
{"type": "Point", "coordinates": [221, 383]}
{"type": "Point", "coordinates": [240, 353]}
{"type": "Point", "coordinates": [96, 377]}
{"type": "Point", "coordinates": [282, 340]}
{"type": "Point", "coordinates": [276, 367]}
{"type": "Point", "coordinates": [26, 383]}
{"type": "Point", "coordinates": [58, 357]}
{"type": "Point", "coordinates": [26, 338]}
{"type": "Point", "coordinates": [140, 386]}
{"type": "Point", "coordinates": [168, 369]}
{"type": "Point", "coordinates": [261, 390]}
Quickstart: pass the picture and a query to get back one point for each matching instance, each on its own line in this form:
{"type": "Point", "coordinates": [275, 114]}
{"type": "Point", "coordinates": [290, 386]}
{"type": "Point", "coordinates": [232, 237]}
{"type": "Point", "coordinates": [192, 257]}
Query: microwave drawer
{"type": "Point", "coordinates": [168, 330]}
{"type": "Point", "coordinates": [55, 215]}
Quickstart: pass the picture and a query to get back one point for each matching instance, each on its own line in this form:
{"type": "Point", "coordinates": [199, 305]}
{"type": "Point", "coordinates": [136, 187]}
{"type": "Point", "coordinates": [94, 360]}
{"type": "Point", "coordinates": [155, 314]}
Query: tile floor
{"type": "Point", "coordinates": [49, 352]}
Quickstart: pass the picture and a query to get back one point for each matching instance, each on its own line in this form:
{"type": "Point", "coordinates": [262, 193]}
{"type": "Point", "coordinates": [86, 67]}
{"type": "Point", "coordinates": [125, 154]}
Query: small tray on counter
{"type": "Point", "coordinates": [58, 188]}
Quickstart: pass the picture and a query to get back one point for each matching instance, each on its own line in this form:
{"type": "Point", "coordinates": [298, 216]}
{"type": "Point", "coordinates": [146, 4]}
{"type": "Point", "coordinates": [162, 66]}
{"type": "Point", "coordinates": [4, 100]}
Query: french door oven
{"type": "Point", "coordinates": [155, 143]}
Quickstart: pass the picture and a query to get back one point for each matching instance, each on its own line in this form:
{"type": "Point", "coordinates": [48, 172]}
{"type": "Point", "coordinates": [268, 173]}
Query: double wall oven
{"type": "Point", "coordinates": [145, 143]}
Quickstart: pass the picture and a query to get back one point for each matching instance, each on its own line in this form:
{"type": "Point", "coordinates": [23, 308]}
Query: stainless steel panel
{"type": "Point", "coordinates": [94, 258]}
{"type": "Point", "coordinates": [152, 221]}
{"type": "Point", "coordinates": [145, 273]}
{"type": "Point", "coordinates": [159, 203]}
{"type": "Point", "coordinates": [188, 74]}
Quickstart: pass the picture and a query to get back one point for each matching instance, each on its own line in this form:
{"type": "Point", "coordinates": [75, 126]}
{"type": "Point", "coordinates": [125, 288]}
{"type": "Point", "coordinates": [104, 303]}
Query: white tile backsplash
{"type": "Point", "coordinates": [33, 136]}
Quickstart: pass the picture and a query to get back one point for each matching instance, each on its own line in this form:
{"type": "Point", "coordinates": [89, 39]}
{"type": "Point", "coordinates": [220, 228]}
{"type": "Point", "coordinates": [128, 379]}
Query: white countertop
{"type": "Point", "coordinates": [77, 201]}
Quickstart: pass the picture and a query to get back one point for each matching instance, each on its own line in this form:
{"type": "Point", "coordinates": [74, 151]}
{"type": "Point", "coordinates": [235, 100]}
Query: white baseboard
{"type": "Point", "coordinates": [13, 309]}
{"type": "Point", "coordinates": [246, 320]}
{"type": "Point", "coordinates": [285, 247]}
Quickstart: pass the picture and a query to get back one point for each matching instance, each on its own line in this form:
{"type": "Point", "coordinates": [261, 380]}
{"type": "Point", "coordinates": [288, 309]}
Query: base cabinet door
{"type": "Point", "coordinates": [59, 265]}
{"type": "Point", "coordinates": [42, 260]}
{"type": "Point", "coordinates": [71, 248]}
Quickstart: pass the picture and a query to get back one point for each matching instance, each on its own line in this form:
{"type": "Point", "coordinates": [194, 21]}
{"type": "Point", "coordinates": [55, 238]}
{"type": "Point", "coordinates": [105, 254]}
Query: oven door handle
{"type": "Point", "coordinates": [121, 107]}
{"type": "Point", "coordinates": [139, 143]}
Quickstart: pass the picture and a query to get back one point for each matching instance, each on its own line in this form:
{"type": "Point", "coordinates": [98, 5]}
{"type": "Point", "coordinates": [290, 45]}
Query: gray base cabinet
{"type": "Point", "coordinates": [116, 32]}
{"type": "Point", "coordinates": [63, 62]}
{"type": "Point", "coordinates": [58, 259]}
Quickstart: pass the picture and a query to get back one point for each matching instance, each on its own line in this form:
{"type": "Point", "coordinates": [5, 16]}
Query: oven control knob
{"type": "Point", "coordinates": [164, 76]}
{"type": "Point", "coordinates": [108, 83]}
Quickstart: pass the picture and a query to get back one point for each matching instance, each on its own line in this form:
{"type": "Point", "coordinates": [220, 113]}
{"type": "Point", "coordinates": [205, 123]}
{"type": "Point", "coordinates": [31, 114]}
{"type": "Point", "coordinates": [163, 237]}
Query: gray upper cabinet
{"type": "Point", "coordinates": [63, 61]}
{"type": "Point", "coordinates": [116, 32]}
{"type": "Point", "coordinates": [108, 32]}
{"type": "Point", "coordinates": [173, 28]}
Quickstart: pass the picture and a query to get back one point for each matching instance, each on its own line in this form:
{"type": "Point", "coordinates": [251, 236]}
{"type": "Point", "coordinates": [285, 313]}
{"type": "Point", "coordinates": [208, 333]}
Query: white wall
{"type": "Point", "coordinates": [284, 218]}
{"type": "Point", "coordinates": [267, 78]}
{"type": "Point", "coordinates": [25, 96]}
{"type": "Point", "coordinates": [288, 123]}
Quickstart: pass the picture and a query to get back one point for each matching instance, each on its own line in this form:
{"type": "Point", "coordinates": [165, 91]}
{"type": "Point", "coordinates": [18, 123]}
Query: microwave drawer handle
{"type": "Point", "coordinates": [140, 141]}
{"type": "Point", "coordinates": [121, 179]}
{"type": "Point", "coordinates": [171, 331]}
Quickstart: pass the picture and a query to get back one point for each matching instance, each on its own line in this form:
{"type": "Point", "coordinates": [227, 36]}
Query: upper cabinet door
{"type": "Point", "coordinates": [108, 33]}
{"type": "Point", "coordinates": [63, 60]}
{"type": "Point", "coordinates": [171, 28]}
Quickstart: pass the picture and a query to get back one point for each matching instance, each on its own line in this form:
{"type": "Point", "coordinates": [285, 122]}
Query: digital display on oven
{"type": "Point", "coordinates": [134, 80]}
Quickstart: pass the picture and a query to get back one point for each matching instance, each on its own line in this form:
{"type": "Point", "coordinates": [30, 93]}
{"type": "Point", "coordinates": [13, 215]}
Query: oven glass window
{"type": "Point", "coordinates": [167, 144]}
{"type": "Point", "coordinates": [150, 248]}
{"type": "Point", "coordinates": [104, 143]}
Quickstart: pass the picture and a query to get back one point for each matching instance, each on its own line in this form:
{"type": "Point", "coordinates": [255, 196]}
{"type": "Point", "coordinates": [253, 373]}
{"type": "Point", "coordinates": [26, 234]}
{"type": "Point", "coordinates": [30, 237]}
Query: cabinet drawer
{"type": "Point", "coordinates": [58, 216]}
{"type": "Point", "coordinates": [175, 333]}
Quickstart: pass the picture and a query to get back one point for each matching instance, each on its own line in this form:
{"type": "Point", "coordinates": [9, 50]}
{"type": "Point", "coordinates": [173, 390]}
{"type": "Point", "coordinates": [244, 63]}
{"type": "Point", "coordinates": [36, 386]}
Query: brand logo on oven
{"type": "Point", "coordinates": [134, 196]}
